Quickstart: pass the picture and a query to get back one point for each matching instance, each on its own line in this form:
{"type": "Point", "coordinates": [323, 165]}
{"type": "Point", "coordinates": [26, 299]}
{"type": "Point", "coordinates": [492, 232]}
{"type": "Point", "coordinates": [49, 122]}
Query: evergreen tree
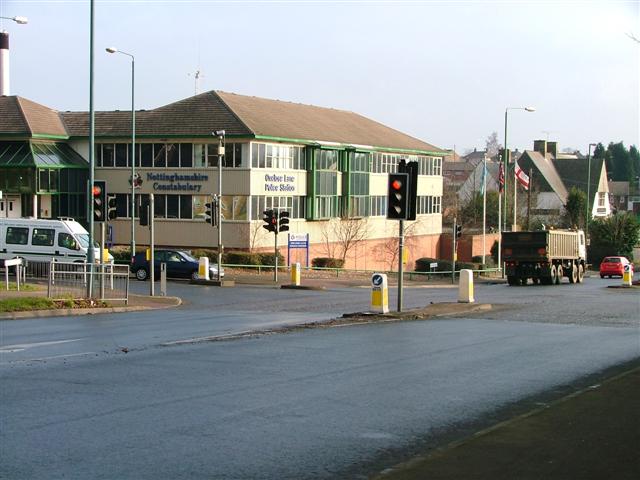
{"type": "Point", "coordinates": [613, 235]}
{"type": "Point", "coordinates": [575, 208]}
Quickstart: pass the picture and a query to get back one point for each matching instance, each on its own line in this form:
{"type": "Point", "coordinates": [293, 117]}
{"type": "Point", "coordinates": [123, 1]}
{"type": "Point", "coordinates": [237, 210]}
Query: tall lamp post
{"type": "Point", "coordinates": [133, 149]}
{"type": "Point", "coordinates": [20, 20]}
{"type": "Point", "coordinates": [506, 165]}
{"type": "Point", "coordinates": [220, 134]}
{"type": "Point", "coordinates": [586, 213]}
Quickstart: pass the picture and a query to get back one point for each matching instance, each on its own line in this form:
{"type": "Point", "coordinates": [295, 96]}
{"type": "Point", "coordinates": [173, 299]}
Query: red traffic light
{"type": "Point", "coordinates": [97, 190]}
{"type": "Point", "coordinates": [396, 184]}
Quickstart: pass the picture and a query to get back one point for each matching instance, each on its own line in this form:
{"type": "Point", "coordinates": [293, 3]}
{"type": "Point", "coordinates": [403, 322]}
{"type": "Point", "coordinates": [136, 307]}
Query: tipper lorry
{"type": "Point", "coordinates": [544, 256]}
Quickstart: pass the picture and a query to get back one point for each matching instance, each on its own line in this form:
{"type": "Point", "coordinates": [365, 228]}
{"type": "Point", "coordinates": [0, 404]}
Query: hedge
{"type": "Point", "coordinates": [327, 262]}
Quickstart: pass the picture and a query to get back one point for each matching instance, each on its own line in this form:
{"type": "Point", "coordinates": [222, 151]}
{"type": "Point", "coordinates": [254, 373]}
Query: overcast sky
{"type": "Point", "coordinates": [442, 71]}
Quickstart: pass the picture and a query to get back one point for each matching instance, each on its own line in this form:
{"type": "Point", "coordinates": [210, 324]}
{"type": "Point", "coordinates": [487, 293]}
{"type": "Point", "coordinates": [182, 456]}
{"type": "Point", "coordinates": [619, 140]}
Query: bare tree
{"type": "Point", "coordinates": [389, 248]}
{"type": "Point", "coordinates": [492, 144]}
{"type": "Point", "coordinates": [340, 236]}
{"type": "Point", "coordinates": [254, 233]}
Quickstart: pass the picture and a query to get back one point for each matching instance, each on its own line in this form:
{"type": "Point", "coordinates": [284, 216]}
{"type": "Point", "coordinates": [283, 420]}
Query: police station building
{"type": "Point", "coordinates": [328, 168]}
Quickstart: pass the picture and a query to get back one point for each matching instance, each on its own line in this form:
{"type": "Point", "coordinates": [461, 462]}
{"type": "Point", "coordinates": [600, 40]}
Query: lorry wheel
{"type": "Point", "coordinates": [535, 280]}
{"type": "Point", "coordinates": [513, 280]}
{"type": "Point", "coordinates": [559, 274]}
{"type": "Point", "coordinates": [573, 274]}
{"type": "Point", "coordinates": [580, 273]}
{"type": "Point", "coordinates": [553, 275]}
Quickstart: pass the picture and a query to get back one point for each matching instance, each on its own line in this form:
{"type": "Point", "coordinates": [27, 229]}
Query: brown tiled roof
{"type": "Point", "coordinates": [242, 115]}
{"type": "Point", "coordinates": [275, 118]}
{"type": "Point", "coordinates": [194, 116]}
{"type": "Point", "coordinates": [20, 116]}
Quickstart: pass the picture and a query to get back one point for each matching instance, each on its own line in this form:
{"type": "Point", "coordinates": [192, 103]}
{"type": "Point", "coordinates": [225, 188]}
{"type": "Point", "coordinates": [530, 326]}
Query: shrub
{"type": "Point", "coordinates": [465, 266]}
{"type": "Point", "coordinates": [422, 264]}
{"type": "Point", "coordinates": [327, 262]}
{"type": "Point", "coordinates": [268, 259]}
{"type": "Point", "coordinates": [242, 258]}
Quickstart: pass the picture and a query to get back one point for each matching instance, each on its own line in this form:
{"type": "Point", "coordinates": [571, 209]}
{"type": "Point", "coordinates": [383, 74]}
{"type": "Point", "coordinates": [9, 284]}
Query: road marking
{"type": "Point", "coordinates": [24, 346]}
{"type": "Point", "coordinates": [42, 359]}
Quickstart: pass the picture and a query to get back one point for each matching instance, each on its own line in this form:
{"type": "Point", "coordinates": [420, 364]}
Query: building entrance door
{"type": "Point", "coordinates": [10, 207]}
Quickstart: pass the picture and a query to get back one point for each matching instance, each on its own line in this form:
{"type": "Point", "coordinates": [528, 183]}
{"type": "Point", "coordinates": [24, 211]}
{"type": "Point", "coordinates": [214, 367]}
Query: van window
{"type": "Point", "coordinates": [43, 237]}
{"type": "Point", "coordinates": [17, 235]}
{"type": "Point", "coordinates": [67, 241]}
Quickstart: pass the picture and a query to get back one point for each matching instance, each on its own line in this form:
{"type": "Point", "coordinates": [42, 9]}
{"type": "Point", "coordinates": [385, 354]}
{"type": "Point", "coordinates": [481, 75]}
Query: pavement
{"type": "Point", "coordinates": [592, 434]}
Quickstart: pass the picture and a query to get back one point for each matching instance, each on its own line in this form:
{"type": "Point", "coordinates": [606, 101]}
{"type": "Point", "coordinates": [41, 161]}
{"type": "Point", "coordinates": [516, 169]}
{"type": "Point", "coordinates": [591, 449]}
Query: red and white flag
{"type": "Point", "coordinates": [501, 178]}
{"type": "Point", "coordinates": [522, 177]}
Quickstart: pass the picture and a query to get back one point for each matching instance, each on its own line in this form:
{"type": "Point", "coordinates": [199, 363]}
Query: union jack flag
{"type": "Point", "coordinates": [501, 178]}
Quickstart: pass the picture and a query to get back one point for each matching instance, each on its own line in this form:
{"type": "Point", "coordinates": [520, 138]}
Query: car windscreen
{"type": "Point", "coordinates": [83, 238]}
{"type": "Point", "coordinates": [188, 257]}
{"type": "Point", "coordinates": [611, 260]}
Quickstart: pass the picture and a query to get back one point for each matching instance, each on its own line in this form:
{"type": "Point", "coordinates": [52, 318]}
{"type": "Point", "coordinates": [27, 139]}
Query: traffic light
{"type": "Point", "coordinates": [270, 220]}
{"type": "Point", "coordinates": [144, 210]}
{"type": "Point", "coordinates": [458, 231]}
{"type": "Point", "coordinates": [112, 205]}
{"type": "Point", "coordinates": [99, 199]}
{"type": "Point", "coordinates": [411, 168]}
{"type": "Point", "coordinates": [209, 212]}
{"type": "Point", "coordinates": [283, 224]}
{"type": "Point", "coordinates": [398, 196]}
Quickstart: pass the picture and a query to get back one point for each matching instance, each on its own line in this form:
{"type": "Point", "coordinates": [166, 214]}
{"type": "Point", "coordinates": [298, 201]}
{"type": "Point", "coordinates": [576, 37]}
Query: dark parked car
{"type": "Point", "coordinates": [611, 266]}
{"type": "Point", "coordinates": [180, 264]}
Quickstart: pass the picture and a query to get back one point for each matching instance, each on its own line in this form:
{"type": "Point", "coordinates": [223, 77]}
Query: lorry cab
{"type": "Point", "coordinates": [582, 245]}
{"type": "Point", "coordinates": [44, 240]}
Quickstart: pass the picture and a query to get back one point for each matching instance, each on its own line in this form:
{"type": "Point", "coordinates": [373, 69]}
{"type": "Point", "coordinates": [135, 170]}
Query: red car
{"type": "Point", "coordinates": [611, 266]}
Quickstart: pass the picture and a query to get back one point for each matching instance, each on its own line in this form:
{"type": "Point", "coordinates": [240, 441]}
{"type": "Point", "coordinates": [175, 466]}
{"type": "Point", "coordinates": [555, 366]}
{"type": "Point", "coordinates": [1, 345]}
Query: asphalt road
{"type": "Point", "coordinates": [341, 402]}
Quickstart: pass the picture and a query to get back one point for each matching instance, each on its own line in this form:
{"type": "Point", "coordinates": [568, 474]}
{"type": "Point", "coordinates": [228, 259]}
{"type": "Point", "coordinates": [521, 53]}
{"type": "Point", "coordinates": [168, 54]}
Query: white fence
{"type": "Point", "coordinates": [75, 280]}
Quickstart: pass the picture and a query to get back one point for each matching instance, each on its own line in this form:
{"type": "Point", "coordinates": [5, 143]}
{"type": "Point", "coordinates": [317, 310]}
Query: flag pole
{"type": "Point", "coordinates": [484, 208]}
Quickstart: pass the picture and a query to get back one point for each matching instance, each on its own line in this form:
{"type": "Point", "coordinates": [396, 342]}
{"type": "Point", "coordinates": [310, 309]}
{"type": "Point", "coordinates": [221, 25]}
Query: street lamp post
{"type": "Point", "coordinates": [133, 149]}
{"type": "Point", "coordinates": [506, 164]}
{"type": "Point", "coordinates": [220, 134]}
{"type": "Point", "coordinates": [587, 216]}
{"type": "Point", "coordinates": [19, 20]}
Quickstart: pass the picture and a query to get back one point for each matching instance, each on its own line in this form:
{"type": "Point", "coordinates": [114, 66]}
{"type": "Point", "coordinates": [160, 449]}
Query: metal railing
{"type": "Point", "coordinates": [76, 281]}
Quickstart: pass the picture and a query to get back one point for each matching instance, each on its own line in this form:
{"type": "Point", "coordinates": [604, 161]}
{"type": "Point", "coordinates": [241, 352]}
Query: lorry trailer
{"type": "Point", "coordinates": [544, 256]}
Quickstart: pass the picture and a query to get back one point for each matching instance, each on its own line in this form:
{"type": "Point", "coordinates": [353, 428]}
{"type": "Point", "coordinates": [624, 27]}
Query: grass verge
{"type": "Point", "coordinates": [25, 304]}
{"type": "Point", "coordinates": [23, 287]}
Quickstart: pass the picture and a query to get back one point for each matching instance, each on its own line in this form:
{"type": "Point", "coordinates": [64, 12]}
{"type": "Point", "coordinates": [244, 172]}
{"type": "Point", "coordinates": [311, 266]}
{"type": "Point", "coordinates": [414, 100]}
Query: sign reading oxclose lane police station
{"type": "Point", "coordinates": [279, 183]}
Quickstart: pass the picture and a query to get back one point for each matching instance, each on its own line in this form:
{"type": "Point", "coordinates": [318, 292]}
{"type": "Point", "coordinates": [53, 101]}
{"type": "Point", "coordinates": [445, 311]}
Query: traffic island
{"type": "Point", "coordinates": [444, 309]}
{"type": "Point", "coordinates": [302, 287]}
{"type": "Point", "coordinates": [214, 283]}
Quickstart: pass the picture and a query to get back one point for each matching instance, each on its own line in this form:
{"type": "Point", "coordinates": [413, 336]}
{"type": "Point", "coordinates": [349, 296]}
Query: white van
{"type": "Point", "coordinates": [42, 240]}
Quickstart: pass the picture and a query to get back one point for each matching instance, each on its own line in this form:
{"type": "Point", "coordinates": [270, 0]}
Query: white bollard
{"type": "Point", "coordinates": [379, 293]}
{"type": "Point", "coordinates": [465, 287]}
{"type": "Point", "coordinates": [203, 268]}
{"type": "Point", "coordinates": [627, 276]}
{"type": "Point", "coordinates": [295, 274]}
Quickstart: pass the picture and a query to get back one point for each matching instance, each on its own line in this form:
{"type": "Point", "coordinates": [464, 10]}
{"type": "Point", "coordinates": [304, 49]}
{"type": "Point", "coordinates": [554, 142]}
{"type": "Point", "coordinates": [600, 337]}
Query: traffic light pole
{"type": "Point", "coordinates": [152, 214]}
{"type": "Point", "coordinates": [453, 254]}
{"type": "Point", "coordinates": [400, 265]}
{"type": "Point", "coordinates": [101, 261]}
{"type": "Point", "coordinates": [275, 256]}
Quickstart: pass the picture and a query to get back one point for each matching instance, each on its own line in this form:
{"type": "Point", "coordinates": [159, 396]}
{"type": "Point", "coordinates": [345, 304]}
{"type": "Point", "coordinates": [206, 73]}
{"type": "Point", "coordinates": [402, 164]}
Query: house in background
{"type": "Point", "coordinates": [554, 174]}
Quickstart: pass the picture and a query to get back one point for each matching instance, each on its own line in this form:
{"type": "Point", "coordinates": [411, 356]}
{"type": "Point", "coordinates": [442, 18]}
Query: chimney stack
{"type": "Point", "coordinates": [4, 63]}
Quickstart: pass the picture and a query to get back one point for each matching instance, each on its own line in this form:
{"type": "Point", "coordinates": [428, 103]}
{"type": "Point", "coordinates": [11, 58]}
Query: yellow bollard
{"type": "Point", "coordinates": [465, 287]}
{"type": "Point", "coordinates": [379, 293]}
{"type": "Point", "coordinates": [203, 268]}
{"type": "Point", "coordinates": [295, 274]}
{"type": "Point", "coordinates": [627, 276]}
